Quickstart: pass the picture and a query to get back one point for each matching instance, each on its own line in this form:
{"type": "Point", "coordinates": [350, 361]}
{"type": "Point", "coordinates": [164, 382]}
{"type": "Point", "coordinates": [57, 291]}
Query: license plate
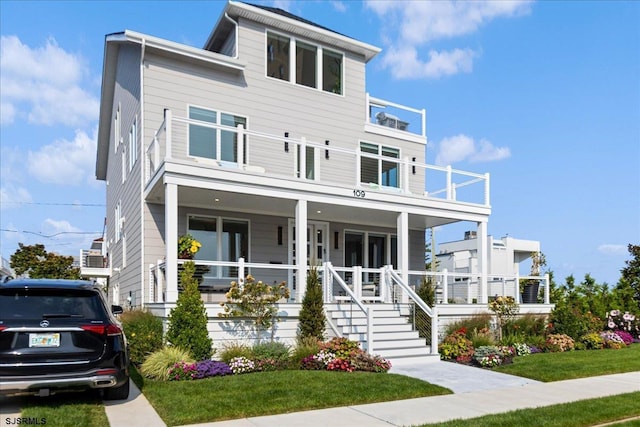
{"type": "Point", "coordinates": [44, 340]}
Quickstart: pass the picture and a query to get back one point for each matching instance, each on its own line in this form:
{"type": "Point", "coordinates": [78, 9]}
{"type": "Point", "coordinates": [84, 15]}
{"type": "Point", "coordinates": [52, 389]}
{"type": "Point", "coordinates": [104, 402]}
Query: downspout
{"type": "Point", "coordinates": [141, 151]}
{"type": "Point", "coordinates": [235, 47]}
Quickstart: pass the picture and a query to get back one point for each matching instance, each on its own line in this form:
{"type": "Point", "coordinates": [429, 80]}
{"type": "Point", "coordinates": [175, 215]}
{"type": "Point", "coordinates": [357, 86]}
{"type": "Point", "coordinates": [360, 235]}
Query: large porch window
{"type": "Point", "coordinates": [379, 171]}
{"type": "Point", "coordinates": [370, 250]}
{"type": "Point", "coordinates": [222, 239]}
{"type": "Point", "coordinates": [211, 143]}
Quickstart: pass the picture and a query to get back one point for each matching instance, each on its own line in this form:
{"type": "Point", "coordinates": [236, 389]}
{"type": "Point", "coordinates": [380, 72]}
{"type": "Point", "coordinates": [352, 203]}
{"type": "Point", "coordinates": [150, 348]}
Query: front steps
{"type": "Point", "coordinates": [393, 335]}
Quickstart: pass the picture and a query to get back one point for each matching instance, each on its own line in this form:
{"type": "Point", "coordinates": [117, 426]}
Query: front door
{"type": "Point", "coordinates": [317, 246]}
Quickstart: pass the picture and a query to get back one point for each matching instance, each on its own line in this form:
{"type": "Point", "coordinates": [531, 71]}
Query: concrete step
{"type": "Point", "coordinates": [395, 328]}
{"type": "Point", "coordinates": [394, 353]}
{"type": "Point", "coordinates": [381, 336]}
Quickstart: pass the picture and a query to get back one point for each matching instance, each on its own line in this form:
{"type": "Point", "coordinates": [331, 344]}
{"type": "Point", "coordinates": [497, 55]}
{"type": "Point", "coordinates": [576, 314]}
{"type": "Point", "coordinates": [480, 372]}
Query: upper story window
{"type": "Point", "coordinates": [213, 143]}
{"type": "Point", "coordinates": [377, 170]}
{"type": "Point", "coordinates": [116, 130]}
{"type": "Point", "coordinates": [133, 144]}
{"type": "Point", "coordinates": [313, 66]}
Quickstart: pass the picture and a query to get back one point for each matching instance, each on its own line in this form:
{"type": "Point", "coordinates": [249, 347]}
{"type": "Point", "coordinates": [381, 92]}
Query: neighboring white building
{"type": "Point", "coordinates": [262, 139]}
{"type": "Point", "coordinates": [506, 261]}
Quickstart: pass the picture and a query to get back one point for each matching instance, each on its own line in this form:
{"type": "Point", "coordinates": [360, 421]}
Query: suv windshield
{"type": "Point", "coordinates": [50, 303]}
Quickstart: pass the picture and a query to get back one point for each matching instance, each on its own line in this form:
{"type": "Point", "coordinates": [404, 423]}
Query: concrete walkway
{"type": "Point", "coordinates": [477, 391]}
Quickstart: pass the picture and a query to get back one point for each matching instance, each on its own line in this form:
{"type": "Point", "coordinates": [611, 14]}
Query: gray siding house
{"type": "Point", "coordinates": [262, 139]}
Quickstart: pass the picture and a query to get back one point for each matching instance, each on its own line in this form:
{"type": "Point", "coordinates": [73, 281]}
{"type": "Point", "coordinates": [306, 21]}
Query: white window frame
{"type": "Point", "coordinates": [380, 159]}
{"type": "Point", "coordinates": [118, 221]}
{"type": "Point", "coordinates": [133, 143]}
{"type": "Point", "coordinates": [319, 63]}
{"type": "Point", "coordinates": [218, 131]}
{"type": "Point", "coordinates": [219, 238]}
{"type": "Point", "coordinates": [117, 130]}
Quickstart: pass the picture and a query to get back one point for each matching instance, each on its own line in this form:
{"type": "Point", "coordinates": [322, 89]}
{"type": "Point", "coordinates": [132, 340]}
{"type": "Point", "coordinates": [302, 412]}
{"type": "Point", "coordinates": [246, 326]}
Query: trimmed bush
{"type": "Point", "coordinates": [559, 343]}
{"type": "Point", "coordinates": [456, 346]}
{"type": "Point", "coordinates": [233, 350]}
{"type": "Point", "coordinates": [592, 341]}
{"type": "Point", "coordinates": [157, 365]}
{"type": "Point", "coordinates": [144, 334]}
{"type": "Point", "coordinates": [311, 321]}
{"type": "Point", "coordinates": [188, 320]}
{"type": "Point", "coordinates": [271, 350]}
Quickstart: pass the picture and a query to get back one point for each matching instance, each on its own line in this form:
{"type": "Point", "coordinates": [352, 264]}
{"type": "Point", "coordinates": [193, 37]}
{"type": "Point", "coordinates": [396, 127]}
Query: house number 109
{"type": "Point", "coordinates": [359, 193]}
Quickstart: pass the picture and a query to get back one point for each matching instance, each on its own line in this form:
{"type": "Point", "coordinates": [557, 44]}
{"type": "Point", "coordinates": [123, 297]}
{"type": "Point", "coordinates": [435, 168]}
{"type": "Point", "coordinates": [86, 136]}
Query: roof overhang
{"type": "Point", "coordinates": [149, 44]}
{"type": "Point", "coordinates": [237, 10]}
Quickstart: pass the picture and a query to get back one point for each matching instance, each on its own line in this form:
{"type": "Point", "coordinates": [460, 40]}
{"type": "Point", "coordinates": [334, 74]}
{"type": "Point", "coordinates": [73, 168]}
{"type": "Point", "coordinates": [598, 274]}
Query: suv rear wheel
{"type": "Point", "coordinates": [117, 393]}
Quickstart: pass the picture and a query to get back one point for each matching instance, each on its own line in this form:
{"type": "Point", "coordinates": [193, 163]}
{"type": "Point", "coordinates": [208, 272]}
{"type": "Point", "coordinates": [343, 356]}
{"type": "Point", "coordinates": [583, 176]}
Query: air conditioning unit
{"type": "Point", "coordinates": [387, 120]}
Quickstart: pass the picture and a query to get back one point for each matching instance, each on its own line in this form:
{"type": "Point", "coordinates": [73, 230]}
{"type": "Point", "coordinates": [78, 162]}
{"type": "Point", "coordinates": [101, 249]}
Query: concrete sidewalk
{"type": "Point", "coordinates": [477, 391]}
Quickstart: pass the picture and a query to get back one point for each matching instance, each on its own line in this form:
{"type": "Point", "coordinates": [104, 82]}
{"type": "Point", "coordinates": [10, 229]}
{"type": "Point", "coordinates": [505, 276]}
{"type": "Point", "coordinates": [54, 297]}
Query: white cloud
{"type": "Point", "coordinates": [462, 147]}
{"type": "Point", "coordinates": [43, 84]}
{"type": "Point", "coordinates": [405, 64]}
{"type": "Point", "coordinates": [612, 249]}
{"type": "Point", "coordinates": [339, 6]}
{"type": "Point", "coordinates": [412, 24]}
{"type": "Point", "coordinates": [65, 162]}
{"type": "Point", "coordinates": [12, 196]}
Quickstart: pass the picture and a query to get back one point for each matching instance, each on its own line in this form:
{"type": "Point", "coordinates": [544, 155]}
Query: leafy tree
{"type": "Point", "coordinates": [312, 319]}
{"type": "Point", "coordinates": [628, 287]}
{"type": "Point", "coordinates": [256, 300]}
{"type": "Point", "coordinates": [188, 320]}
{"type": "Point", "coordinates": [35, 262]}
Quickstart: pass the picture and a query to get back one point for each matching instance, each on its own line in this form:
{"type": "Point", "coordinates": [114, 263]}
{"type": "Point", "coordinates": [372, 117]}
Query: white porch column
{"type": "Point", "coordinates": [483, 263]}
{"type": "Point", "coordinates": [403, 249]}
{"type": "Point", "coordinates": [171, 240]}
{"type": "Point", "coordinates": [301, 249]}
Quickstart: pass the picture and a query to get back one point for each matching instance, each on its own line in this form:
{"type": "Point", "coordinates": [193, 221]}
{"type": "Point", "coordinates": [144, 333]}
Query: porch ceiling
{"type": "Point", "coordinates": [256, 203]}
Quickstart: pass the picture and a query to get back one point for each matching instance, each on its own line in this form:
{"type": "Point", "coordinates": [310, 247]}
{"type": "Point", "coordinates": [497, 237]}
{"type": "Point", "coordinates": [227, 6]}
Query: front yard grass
{"type": "Point", "coordinates": [577, 414]}
{"type": "Point", "coordinates": [66, 410]}
{"type": "Point", "coordinates": [268, 393]}
{"type": "Point", "coordinates": [574, 364]}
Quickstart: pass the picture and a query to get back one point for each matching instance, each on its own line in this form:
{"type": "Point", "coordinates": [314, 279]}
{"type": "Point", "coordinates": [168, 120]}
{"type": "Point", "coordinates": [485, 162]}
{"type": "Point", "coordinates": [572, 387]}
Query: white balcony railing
{"type": "Point", "coordinates": [365, 284]}
{"type": "Point", "coordinates": [401, 175]}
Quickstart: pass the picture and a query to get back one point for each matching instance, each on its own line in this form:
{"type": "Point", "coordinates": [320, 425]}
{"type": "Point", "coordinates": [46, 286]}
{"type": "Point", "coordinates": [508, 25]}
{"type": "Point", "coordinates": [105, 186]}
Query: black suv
{"type": "Point", "coordinates": [59, 335]}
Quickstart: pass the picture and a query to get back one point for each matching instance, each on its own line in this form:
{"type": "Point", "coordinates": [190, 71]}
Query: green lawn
{"type": "Point", "coordinates": [583, 413]}
{"type": "Point", "coordinates": [266, 393]}
{"type": "Point", "coordinates": [66, 410]}
{"type": "Point", "coordinates": [574, 364]}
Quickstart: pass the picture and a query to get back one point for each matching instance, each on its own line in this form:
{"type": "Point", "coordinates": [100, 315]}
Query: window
{"type": "Point", "coordinates": [229, 245]}
{"type": "Point", "coordinates": [133, 144]}
{"type": "Point", "coordinates": [116, 130]}
{"type": "Point", "coordinates": [278, 56]}
{"type": "Point", "coordinates": [378, 170]}
{"type": "Point", "coordinates": [314, 66]}
{"type": "Point", "coordinates": [124, 163]}
{"type": "Point", "coordinates": [369, 250]}
{"type": "Point", "coordinates": [331, 71]}
{"type": "Point", "coordinates": [215, 143]}
{"type": "Point", "coordinates": [306, 58]}
{"type": "Point", "coordinates": [118, 225]}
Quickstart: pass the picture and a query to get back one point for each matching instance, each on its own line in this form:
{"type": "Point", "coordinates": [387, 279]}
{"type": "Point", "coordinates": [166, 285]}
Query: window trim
{"type": "Point", "coordinates": [320, 49]}
{"type": "Point", "coordinates": [388, 236]}
{"type": "Point", "coordinates": [380, 159]}
{"type": "Point", "coordinates": [133, 143]}
{"type": "Point", "coordinates": [218, 131]}
{"type": "Point", "coordinates": [219, 219]}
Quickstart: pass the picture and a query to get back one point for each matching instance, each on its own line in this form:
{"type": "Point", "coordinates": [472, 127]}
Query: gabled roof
{"type": "Point", "coordinates": [287, 22]}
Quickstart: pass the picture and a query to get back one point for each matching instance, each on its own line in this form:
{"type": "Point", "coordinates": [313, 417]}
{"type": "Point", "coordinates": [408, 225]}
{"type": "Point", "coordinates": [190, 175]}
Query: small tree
{"type": "Point", "coordinates": [35, 262]}
{"type": "Point", "coordinates": [505, 309]}
{"type": "Point", "coordinates": [312, 318]}
{"type": "Point", "coordinates": [188, 320]}
{"type": "Point", "coordinates": [256, 300]}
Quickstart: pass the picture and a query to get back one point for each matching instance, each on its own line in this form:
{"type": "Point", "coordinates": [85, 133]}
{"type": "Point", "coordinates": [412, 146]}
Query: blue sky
{"type": "Point", "coordinates": [545, 96]}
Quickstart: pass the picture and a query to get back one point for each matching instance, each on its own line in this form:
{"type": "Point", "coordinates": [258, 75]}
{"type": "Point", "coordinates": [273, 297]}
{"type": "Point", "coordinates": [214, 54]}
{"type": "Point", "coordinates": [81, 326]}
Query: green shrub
{"type": "Point", "coordinates": [157, 365]}
{"type": "Point", "coordinates": [570, 319]}
{"type": "Point", "coordinates": [482, 337]}
{"type": "Point", "coordinates": [591, 341]}
{"type": "Point", "coordinates": [235, 349]}
{"type": "Point", "coordinates": [188, 320]}
{"type": "Point", "coordinates": [311, 320]}
{"type": "Point", "coordinates": [304, 348]}
{"type": "Point", "coordinates": [476, 322]}
{"type": "Point", "coordinates": [559, 343]}
{"type": "Point", "coordinates": [271, 350]}
{"type": "Point", "coordinates": [342, 348]}
{"type": "Point", "coordinates": [144, 334]}
{"type": "Point", "coordinates": [456, 346]}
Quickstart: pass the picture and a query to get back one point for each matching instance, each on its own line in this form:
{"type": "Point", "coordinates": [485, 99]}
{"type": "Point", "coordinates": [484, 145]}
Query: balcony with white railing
{"type": "Point", "coordinates": [279, 156]}
{"type": "Point", "coordinates": [93, 264]}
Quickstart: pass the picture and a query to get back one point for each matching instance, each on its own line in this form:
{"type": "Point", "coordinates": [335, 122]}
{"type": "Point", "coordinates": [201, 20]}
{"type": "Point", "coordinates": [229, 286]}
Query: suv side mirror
{"type": "Point", "coordinates": [117, 309]}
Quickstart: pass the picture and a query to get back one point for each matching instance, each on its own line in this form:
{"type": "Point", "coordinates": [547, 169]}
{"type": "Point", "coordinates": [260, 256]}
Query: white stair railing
{"type": "Point", "coordinates": [331, 275]}
{"type": "Point", "coordinates": [432, 312]}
